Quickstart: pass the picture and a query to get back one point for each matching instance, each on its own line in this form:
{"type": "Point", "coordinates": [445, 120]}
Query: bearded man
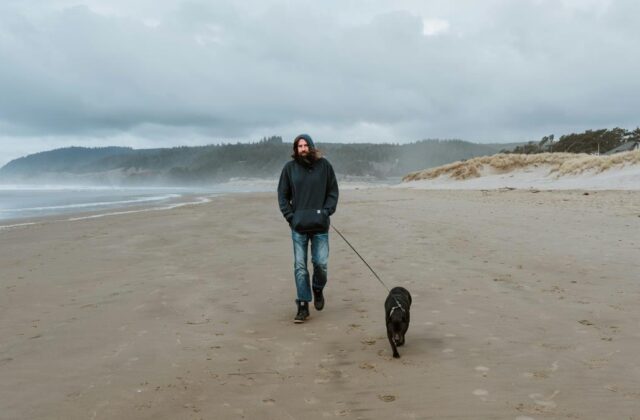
{"type": "Point", "coordinates": [308, 195]}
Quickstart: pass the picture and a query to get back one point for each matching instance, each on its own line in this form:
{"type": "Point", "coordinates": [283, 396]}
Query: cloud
{"type": "Point", "coordinates": [435, 26]}
{"type": "Point", "coordinates": [160, 71]}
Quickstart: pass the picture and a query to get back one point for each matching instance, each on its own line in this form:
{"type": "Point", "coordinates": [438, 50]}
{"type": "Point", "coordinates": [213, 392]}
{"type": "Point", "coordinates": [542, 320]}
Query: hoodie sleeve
{"type": "Point", "coordinates": [331, 197]}
{"type": "Point", "coordinates": [284, 194]}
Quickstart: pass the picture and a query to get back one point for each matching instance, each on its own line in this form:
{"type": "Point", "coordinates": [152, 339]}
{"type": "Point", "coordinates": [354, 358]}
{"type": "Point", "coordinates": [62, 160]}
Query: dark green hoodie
{"type": "Point", "coordinates": [308, 193]}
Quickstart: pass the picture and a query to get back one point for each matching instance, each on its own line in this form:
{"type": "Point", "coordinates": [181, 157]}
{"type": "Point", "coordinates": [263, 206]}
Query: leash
{"type": "Point", "coordinates": [354, 250]}
{"type": "Point", "coordinates": [398, 305]}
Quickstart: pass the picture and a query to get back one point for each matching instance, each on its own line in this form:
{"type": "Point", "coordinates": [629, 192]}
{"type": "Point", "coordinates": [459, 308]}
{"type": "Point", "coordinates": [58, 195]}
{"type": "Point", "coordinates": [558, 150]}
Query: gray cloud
{"type": "Point", "coordinates": [175, 72]}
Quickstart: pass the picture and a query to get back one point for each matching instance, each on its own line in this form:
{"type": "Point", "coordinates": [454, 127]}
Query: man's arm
{"type": "Point", "coordinates": [284, 195]}
{"type": "Point", "coordinates": [331, 200]}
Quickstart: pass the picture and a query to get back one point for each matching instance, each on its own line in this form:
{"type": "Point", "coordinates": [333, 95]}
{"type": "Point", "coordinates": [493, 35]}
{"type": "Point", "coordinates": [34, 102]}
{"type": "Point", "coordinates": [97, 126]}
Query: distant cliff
{"type": "Point", "coordinates": [217, 163]}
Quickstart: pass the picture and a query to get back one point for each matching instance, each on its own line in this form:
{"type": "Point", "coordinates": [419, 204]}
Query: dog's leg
{"type": "Point", "coordinates": [393, 344]}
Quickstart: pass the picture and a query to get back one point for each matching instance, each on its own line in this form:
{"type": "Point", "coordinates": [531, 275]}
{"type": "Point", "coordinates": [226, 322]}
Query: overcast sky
{"type": "Point", "coordinates": [157, 73]}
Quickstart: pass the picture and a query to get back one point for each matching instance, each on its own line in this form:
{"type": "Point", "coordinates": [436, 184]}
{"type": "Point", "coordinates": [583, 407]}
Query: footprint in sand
{"type": "Point", "coordinates": [482, 369]}
{"type": "Point", "coordinates": [330, 358]}
{"type": "Point", "coordinates": [546, 402]}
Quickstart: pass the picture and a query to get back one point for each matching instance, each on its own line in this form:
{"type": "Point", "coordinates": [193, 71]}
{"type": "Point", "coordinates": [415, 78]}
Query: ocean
{"type": "Point", "coordinates": [19, 203]}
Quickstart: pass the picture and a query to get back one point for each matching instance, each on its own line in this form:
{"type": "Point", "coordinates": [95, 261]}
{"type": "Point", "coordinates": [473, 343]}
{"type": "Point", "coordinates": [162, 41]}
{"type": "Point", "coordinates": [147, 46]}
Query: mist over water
{"type": "Point", "coordinates": [20, 202]}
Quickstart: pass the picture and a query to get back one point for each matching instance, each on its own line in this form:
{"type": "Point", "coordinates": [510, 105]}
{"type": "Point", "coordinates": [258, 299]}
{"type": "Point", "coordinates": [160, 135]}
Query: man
{"type": "Point", "coordinates": [308, 195]}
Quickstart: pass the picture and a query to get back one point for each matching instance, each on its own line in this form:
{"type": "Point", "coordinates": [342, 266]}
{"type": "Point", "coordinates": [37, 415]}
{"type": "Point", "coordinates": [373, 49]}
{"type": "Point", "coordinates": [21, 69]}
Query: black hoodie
{"type": "Point", "coordinates": [308, 193]}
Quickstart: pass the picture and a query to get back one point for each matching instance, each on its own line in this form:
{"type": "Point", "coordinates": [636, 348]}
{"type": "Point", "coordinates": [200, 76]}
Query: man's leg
{"type": "Point", "coordinates": [301, 274]}
{"type": "Point", "coordinates": [319, 258]}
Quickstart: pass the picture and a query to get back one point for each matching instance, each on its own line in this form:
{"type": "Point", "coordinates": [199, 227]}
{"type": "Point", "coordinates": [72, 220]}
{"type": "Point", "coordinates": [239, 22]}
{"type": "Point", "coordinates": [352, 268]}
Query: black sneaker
{"type": "Point", "coordinates": [303, 312]}
{"type": "Point", "coordinates": [318, 299]}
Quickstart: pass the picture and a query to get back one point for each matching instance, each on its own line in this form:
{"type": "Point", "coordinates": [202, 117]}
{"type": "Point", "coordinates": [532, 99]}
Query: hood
{"type": "Point", "coordinates": [307, 138]}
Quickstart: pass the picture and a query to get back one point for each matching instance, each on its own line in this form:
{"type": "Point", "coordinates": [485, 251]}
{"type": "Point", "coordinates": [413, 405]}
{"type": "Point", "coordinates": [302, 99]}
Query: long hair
{"type": "Point", "coordinates": [314, 154]}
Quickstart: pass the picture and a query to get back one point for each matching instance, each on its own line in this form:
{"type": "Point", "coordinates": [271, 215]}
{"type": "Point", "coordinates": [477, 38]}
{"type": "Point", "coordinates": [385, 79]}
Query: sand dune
{"type": "Point", "coordinates": [545, 170]}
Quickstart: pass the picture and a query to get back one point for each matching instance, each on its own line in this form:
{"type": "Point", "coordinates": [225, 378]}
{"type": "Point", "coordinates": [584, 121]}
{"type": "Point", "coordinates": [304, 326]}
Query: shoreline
{"type": "Point", "coordinates": [524, 308]}
{"type": "Point", "coordinates": [239, 186]}
{"type": "Point", "coordinates": [198, 199]}
{"type": "Point", "coordinates": [185, 200]}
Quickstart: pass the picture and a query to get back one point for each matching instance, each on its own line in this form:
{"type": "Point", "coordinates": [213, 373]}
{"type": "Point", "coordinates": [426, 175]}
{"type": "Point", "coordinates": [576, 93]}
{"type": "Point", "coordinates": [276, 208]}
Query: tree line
{"type": "Point", "coordinates": [262, 159]}
{"type": "Point", "coordinates": [590, 141]}
{"type": "Point", "coordinates": [265, 158]}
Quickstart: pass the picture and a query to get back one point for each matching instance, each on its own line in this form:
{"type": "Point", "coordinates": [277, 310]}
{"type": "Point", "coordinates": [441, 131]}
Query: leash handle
{"type": "Point", "coordinates": [354, 250]}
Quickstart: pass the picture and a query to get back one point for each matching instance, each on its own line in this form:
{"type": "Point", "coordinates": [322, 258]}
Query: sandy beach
{"type": "Point", "coordinates": [525, 307]}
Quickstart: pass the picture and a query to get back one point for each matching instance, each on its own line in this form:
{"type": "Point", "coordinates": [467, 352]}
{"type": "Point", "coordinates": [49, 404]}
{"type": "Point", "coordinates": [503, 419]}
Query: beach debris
{"type": "Point", "coordinates": [367, 365]}
{"type": "Point", "coordinates": [387, 398]}
{"type": "Point", "coordinates": [206, 321]}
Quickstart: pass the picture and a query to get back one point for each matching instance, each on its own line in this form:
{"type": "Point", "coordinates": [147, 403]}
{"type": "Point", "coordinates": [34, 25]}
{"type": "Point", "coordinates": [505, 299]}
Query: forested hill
{"type": "Point", "coordinates": [217, 163]}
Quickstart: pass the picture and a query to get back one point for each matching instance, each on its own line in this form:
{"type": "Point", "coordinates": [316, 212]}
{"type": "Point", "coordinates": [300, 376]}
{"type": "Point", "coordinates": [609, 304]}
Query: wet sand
{"type": "Point", "coordinates": [525, 307]}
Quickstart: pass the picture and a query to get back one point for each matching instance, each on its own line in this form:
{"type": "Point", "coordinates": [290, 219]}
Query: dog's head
{"type": "Point", "coordinates": [398, 323]}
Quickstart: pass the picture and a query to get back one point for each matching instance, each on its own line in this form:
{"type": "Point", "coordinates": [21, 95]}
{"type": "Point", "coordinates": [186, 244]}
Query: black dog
{"type": "Point", "coordinates": [396, 309]}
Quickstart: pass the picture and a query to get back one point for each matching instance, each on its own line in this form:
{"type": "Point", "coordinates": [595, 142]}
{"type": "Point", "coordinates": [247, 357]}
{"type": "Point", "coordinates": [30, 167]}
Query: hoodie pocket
{"type": "Point", "coordinates": [310, 220]}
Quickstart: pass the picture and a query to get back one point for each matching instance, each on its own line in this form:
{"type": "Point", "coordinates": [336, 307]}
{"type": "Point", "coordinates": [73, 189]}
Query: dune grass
{"type": "Point", "coordinates": [559, 164]}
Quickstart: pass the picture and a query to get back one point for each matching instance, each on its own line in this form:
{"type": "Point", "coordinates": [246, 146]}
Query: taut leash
{"type": "Point", "coordinates": [398, 305]}
{"type": "Point", "coordinates": [354, 250]}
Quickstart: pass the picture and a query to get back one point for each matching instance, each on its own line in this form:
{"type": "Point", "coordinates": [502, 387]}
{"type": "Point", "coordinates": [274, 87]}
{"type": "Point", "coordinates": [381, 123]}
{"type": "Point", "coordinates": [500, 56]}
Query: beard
{"type": "Point", "coordinates": [307, 159]}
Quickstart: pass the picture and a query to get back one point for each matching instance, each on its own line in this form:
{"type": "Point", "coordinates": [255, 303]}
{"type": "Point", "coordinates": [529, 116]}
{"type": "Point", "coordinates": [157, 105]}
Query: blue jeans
{"type": "Point", "coordinates": [319, 259]}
